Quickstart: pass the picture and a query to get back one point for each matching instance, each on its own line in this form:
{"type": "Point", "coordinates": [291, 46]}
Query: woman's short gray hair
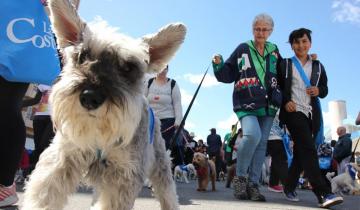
{"type": "Point", "coordinates": [263, 17]}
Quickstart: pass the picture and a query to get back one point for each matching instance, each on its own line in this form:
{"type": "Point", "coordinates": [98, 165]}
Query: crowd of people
{"type": "Point", "coordinates": [272, 96]}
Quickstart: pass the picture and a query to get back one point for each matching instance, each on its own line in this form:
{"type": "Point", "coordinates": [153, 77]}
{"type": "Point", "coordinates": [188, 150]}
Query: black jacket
{"type": "Point", "coordinates": [249, 93]}
{"type": "Point", "coordinates": [214, 143]}
{"type": "Point", "coordinates": [318, 78]}
{"type": "Point", "coordinates": [342, 148]}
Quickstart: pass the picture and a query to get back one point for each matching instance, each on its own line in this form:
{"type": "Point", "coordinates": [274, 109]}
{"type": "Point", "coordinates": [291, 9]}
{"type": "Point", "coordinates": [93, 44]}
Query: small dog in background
{"type": "Point", "coordinates": [192, 172]}
{"type": "Point", "coordinates": [222, 175]}
{"type": "Point", "coordinates": [183, 172]}
{"type": "Point", "coordinates": [205, 170]}
{"type": "Point", "coordinates": [345, 181]}
{"type": "Point", "coordinates": [106, 133]}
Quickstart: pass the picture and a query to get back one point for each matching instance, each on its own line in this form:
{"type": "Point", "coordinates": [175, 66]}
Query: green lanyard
{"type": "Point", "coordinates": [262, 70]}
{"type": "Point", "coordinates": [263, 60]}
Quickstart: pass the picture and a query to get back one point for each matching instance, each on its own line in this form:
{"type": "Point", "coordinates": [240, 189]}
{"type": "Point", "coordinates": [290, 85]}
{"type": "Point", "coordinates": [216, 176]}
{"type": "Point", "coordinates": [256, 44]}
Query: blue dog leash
{"type": "Point", "coordinates": [151, 125]}
{"type": "Point", "coordinates": [319, 139]}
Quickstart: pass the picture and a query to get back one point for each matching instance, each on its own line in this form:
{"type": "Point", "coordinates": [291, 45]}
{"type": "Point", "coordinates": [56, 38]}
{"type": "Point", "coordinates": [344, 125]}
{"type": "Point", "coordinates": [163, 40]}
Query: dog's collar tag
{"type": "Point", "coordinates": [98, 154]}
{"type": "Point", "coordinates": [101, 158]}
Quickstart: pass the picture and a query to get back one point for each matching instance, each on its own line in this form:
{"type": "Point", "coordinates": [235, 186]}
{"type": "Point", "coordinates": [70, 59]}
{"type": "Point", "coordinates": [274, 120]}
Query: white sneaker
{"type": "Point", "coordinates": [8, 195]}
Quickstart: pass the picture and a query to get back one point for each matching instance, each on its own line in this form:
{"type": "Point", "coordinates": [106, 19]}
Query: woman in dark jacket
{"type": "Point", "coordinates": [252, 67]}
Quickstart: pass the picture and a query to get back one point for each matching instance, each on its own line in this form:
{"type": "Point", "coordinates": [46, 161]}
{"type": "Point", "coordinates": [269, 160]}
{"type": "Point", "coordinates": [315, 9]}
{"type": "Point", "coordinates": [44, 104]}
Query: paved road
{"type": "Point", "coordinates": [222, 199]}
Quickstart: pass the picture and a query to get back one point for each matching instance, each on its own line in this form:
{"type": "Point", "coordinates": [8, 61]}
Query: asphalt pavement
{"type": "Point", "coordinates": [222, 199]}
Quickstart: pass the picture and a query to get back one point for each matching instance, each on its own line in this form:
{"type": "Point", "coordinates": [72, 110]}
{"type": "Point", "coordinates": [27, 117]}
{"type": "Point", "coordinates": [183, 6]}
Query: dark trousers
{"type": "Point", "coordinates": [218, 162]}
{"type": "Point", "coordinates": [167, 133]}
{"type": "Point", "coordinates": [177, 152]}
{"type": "Point", "coordinates": [12, 129]}
{"type": "Point", "coordinates": [279, 164]}
{"type": "Point", "coordinates": [43, 134]}
{"type": "Point", "coordinates": [305, 155]}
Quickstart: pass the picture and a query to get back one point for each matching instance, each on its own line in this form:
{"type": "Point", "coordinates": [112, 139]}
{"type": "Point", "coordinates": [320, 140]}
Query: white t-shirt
{"type": "Point", "coordinates": [164, 103]}
{"type": "Point", "coordinates": [298, 88]}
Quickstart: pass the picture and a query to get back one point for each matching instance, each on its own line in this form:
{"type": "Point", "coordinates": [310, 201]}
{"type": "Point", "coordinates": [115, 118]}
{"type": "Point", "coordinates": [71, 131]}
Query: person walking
{"type": "Point", "coordinates": [17, 69]}
{"type": "Point", "coordinates": [342, 149]}
{"type": "Point", "coordinates": [164, 98]}
{"type": "Point", "coordinates": [214, 150]}
{"type": "Point", "coordinates": [279, 162]}
{"type": "Point", "coordinates": [252, 67]}
{"type": "Point", "coordinates": [12, 136]}
{"type": "Point", "coordinates": [303, 81]}
{"type": "Point", "coordinates": [42, 124]}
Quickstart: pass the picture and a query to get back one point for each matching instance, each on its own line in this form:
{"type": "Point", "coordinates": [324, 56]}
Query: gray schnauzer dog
{"type": "Point", "coordinates": [105, 132]}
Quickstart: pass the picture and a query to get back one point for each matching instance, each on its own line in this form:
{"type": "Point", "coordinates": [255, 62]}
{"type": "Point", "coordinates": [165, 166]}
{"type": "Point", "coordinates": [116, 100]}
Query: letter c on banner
{"type": "Point", "coordinates": [10, 32]}
{"type": "Point", "coordinates": [36, 40]}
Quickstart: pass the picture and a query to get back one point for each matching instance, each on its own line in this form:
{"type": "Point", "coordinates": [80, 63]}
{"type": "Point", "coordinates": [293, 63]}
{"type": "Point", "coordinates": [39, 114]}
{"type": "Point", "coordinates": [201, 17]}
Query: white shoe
{"type": "Point", "coordinates": [8, 195]}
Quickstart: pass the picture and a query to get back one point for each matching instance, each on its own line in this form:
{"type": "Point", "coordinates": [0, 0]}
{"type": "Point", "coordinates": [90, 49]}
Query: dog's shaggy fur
{"type": "Point", "coordinates": [205, 170]}
{"type": "Point", "coordinates": [102, 118]}
{"type": "Point", "coordinates": [344, 181]}
{"type": "Point", "coordinates": [183, 172]}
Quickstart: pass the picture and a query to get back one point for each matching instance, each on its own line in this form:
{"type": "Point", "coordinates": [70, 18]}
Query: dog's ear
{"type": "Point", "coordinates": [164, 44]}
{"type": "Point", "coordinates": [68, 26]}
{"type": "Point", "coordinates": [76, 4]}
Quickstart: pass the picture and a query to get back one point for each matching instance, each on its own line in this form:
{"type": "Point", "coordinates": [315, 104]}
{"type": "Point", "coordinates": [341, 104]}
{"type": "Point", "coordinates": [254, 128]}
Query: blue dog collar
{"type": "Point", "coordinates": [352, 171]}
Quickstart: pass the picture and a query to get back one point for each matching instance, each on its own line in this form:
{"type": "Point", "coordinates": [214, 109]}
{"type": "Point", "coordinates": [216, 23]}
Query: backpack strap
{"type": "Point", "coordinates": [151, 80]}
{"type": "Point", "coordinates": [173, 82]}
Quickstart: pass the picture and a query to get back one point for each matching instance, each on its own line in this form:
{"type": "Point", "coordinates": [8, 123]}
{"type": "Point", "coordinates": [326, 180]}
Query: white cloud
{"type": "Point", "coordinates": [209, 80]}
{"type": "Point", "coordinates": [185, 98]}
{"type": "Point", "coordinates": [98, 21]}
{"type": "Point", "coordinates": [226, 124]}
{"type": "Point", "coordinates": [346, 11]}
{"type": "Point", "coordinates": [189, 125]}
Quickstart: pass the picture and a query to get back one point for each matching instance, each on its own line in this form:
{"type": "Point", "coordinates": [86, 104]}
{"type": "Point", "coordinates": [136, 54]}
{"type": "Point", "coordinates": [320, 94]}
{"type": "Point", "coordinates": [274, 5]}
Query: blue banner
{"type": "Point", "coordinates": [28, 49]}
{"type": "Point", "coordinates": [288, 149]}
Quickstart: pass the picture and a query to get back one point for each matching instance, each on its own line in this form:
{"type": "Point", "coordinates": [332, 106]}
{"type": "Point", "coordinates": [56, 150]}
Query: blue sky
{"type": "Point", "coordinates": [219, 26]}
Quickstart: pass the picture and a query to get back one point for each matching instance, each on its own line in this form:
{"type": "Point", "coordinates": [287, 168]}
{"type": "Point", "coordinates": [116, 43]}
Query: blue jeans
{"type": "Point", "coordinates": [252, 147]}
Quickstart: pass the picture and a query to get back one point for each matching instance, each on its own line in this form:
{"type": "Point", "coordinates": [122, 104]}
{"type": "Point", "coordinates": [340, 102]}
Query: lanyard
{"type": "Point", "coordinates": [301, 71]}
{"type": "Point", "coordinates": [257, 53]}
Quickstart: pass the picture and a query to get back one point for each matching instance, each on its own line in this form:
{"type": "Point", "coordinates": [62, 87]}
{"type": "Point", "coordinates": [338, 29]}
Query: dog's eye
{"type": "Point", "coordinates": [129, 66]}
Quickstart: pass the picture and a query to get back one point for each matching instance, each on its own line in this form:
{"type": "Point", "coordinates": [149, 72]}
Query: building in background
{"type": "Point", "coordinates": [337, 111]}
{"type": "Point", "coordinates": [337, 116]}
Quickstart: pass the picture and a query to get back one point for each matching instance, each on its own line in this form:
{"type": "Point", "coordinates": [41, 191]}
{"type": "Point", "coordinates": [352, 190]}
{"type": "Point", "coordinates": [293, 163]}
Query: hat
{"type": "Point", "coordinates": [213, 129]}
{"type": "Point", "coordinates": [192, 134]}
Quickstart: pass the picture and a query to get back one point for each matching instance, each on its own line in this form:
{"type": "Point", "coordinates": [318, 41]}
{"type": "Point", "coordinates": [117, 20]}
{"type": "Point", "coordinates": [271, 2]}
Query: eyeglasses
{"type": "Point", "coordinates": [258, 30]}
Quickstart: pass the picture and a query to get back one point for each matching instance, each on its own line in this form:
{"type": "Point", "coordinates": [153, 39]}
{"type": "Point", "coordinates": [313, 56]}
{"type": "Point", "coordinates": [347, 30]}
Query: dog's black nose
{"type": "Point", "coordinates": [91, 98]}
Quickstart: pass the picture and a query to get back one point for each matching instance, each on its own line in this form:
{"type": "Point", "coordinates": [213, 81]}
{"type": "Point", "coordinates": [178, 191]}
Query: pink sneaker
{"type": "Point", "coordinates": [8, 195]}
{"type": "Point", "coordinates": [276, 188]}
